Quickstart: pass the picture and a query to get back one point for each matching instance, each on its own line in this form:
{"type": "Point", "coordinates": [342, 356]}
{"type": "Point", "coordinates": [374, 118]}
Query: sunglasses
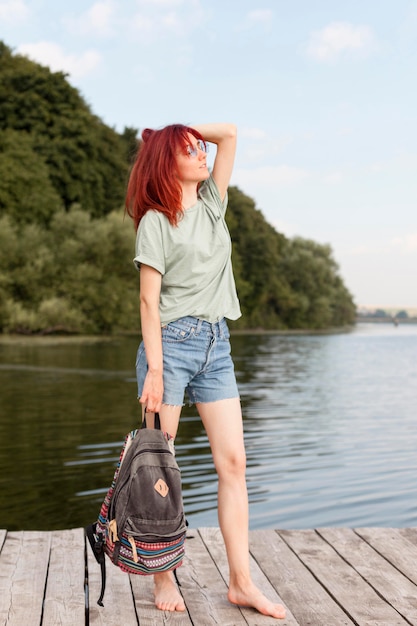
{"type": "Point", "coordinates": [192, 151]}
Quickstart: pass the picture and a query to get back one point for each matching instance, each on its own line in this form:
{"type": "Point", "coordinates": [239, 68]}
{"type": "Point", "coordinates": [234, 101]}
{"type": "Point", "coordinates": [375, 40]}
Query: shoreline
{"type": "Point", "coordinates": [385, 320]}
{"type": "Point", "coordinates": [55, 339]}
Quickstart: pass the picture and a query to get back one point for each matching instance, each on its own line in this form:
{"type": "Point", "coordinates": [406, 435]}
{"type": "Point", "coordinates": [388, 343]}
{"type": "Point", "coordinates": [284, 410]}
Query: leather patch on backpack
{"type": "Point", "coordinates": [161, 487]}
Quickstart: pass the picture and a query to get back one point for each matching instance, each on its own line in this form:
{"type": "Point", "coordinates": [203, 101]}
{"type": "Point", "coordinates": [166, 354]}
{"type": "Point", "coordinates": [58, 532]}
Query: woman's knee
{"type": "Point", "coordinates": [232, 465]}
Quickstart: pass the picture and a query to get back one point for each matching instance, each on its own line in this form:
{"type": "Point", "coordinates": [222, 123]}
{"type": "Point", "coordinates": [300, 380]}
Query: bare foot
{"type": "Point", "coordinates": [167, 596]}
{"type": "Point", "coordinates": [253, 597]}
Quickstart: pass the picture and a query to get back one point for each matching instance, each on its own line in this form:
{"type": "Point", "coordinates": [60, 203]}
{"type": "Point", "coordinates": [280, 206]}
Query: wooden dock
{"type": "Point", "coordinates": [325, 577]}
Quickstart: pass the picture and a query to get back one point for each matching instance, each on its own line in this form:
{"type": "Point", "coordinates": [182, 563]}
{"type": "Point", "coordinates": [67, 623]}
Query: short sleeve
{"type": "Point", "coordinates": [209, 194]}
{"type": "Point", "coordinates": [149, 243]}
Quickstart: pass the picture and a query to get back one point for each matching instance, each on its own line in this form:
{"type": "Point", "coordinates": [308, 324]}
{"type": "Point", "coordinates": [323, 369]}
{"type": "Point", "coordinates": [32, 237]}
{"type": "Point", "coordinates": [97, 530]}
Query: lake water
{"type": "Point", "coordinates": [330, 427]}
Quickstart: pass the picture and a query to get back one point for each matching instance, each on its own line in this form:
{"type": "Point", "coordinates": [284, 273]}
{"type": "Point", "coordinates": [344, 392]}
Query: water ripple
{"type": "Point", "coordinates": [329, 421]}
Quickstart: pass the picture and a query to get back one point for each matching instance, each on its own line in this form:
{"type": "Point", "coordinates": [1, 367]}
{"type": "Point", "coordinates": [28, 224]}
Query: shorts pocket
{"type": "Point", "coordinates": [175, 332]}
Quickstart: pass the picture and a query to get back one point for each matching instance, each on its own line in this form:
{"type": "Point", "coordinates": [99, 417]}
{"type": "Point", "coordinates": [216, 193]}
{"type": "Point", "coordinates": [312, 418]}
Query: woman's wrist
{"type": "Point", "coordinates": [217, 131]}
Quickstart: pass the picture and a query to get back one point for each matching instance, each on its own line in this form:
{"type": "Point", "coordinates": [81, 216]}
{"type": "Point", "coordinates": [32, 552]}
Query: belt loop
{"type": "Point", "coordinates": [217, 329]}
{"type": "Point", "coordinates": [199, 325]}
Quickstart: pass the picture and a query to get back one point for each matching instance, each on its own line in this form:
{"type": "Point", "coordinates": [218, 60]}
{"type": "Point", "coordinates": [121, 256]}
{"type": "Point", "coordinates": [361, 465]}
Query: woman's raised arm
{"type": "Point", "coordinates": [224, 135]}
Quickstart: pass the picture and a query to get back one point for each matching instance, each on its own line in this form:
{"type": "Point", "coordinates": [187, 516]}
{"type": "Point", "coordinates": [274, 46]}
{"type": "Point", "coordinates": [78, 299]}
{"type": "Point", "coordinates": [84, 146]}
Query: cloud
{"type": "Point", "coordinates": [98, 20]}
{"type": "Point", "coordinates": [157, 18]}
{"type": "Point", "coordinates": [333, 178]}
{"type": "Point", "coordinates": [13, 10]}
{"type": "Point", "coordinates": [401, 245]}
{"type": "Point", "coordinates": [261, 17]}
{"type": "Point", "coordinates": [266, 148]}
{"type": "Point", "coordinates": [252, 133]}
{"type": "Point", "coordinates": [259, 143]}
{"type": "Point", "coordinates": [270, 175]}
{"type": "Point", "coordinates": [143, 25]}
{"type": "Point", "coordinates": [340, 39]}
{"type": "Point", "coordinates": [150, 20]}
{"type": "Point", "coordinates": [408, 28]}
{"type": "Point", "coordinates": [289, 229]}
{"type": "Point", "coordinates": [160, 3]}
{"type": "Point", "coordinates": [406, 243]}
{"type": "Point", "coordinates": [51, 54]}
{"type": "Point", "coordinates": [360, 250]}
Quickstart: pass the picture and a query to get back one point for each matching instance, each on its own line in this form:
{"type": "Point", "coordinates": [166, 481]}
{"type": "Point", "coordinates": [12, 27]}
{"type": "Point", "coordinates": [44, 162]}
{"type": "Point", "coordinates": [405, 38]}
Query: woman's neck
{"type": "Point", "coordinates": [189, 196]}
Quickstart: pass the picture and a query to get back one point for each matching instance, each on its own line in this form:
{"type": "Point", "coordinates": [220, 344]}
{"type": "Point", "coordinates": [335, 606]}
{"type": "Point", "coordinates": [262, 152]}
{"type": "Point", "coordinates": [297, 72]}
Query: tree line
{"type": "Point", "coordinates": [66, 247]}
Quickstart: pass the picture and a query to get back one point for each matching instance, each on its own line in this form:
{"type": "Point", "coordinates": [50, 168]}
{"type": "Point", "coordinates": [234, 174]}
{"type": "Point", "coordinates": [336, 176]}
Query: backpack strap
{"type": "Point", "coordinates": [96, 541]}
{"type": "Point", "coordinates": [157, 424]}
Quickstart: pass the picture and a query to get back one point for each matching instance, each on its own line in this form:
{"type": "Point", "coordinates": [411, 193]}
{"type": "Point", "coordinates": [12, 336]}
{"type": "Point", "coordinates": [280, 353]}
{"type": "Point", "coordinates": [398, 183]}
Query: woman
{"type": "Point", "coordinates": [187, 290]}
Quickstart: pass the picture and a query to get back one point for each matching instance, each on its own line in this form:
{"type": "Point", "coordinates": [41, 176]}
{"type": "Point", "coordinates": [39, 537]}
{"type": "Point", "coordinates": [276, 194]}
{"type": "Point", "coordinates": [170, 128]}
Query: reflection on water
{"type": "Point", "coordinates": [330, 429]}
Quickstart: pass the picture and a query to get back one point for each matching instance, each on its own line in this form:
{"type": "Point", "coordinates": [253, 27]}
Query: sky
{"type": "Point", "coordinates": [323, 92]}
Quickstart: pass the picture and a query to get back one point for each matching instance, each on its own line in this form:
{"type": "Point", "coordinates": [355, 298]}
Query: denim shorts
{"type": "Point", "coordinates": [196, 360]}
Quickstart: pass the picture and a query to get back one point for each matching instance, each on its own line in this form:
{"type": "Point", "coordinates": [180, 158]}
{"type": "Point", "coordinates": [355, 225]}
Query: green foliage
{"type": "Point", "coordinates": [257, 249]}
{"type": "Point", "coordinates": [66, 250]}
{"type": "Point", "coordinates": [80, 159]}
{"type": "Point", "coordinates": [76, 276]}
{"type": "Point", "coordinates": [26, 190]}
{"type": "Point", "coordinates": [312, 273]}
{"type": "Point", "coordinates": [283, 283]}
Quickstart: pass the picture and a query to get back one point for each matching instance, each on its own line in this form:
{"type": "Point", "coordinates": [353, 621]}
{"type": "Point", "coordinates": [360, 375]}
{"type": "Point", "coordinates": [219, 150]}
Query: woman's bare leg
{"type": "Point", "coordinates": [167, 595]}
{"type": "Point", "coordinates": [223, 423]}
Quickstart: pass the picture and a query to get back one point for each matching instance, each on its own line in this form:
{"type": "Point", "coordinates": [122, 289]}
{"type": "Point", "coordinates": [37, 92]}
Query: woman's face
{"type": "Point", "coordinates": [192, 162]}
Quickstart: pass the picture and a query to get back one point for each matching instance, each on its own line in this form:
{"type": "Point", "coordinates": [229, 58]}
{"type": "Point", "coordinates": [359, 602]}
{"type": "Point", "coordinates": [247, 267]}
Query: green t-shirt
{"type": "Point", "coordinates": [194, 259]}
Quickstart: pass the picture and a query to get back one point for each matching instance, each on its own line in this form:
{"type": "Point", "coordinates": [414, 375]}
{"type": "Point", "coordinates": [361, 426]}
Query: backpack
{"type": "Point", "coordinates": [141, 525]}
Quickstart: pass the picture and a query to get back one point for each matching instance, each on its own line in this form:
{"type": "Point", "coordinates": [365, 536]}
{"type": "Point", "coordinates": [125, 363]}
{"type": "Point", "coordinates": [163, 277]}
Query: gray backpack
{"type": "Point", "coordinates": [141, 525]}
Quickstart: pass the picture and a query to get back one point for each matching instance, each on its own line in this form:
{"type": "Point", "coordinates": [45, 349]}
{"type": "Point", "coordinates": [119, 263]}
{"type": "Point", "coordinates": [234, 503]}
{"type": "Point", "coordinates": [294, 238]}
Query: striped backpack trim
{"type": "Point", "coordinates": [141, 525]}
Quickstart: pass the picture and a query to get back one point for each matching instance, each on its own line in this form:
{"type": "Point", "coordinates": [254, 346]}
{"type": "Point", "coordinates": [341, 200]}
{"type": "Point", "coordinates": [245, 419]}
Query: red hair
{"type": "Point", "coordinates": [154, 180]}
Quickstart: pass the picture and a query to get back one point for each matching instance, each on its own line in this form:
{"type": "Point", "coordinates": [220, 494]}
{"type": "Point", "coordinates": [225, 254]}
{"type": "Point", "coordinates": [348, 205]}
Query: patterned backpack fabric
{"type": "Point", "coordinates": [141, 525]}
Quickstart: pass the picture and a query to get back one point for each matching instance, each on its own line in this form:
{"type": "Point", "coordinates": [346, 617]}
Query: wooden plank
{"type": "Point", "coordinates": [147, 612]}
{"type": "Point", "coordinates": [203, 588]}
{"type": "Point", "coordinates": [409, 533]}
{"type": "Point", "coordinates": [389, 583]}
{"type": "Point", "coordinates": [119, 606]}
{"type": "Point", "coordinates": [370, 572]}
{"type": "Point", "coordinates": [65, 595]}
{"type": "Point", "coordinates": [351, 591]}
{"type": "Point", "coordinates": [307, 600]}
{"type": "Point", "coordinates": [23, 571]}
{"type": "Point", "coordinates": [394, 546]}
{"type": "Point", "coordinates": [213, 540]}
{"type": "Point", "coordinates": [3, 534]}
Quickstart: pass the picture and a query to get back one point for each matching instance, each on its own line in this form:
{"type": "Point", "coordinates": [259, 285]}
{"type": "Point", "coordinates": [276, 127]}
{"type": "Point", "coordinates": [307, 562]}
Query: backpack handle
{"type": "Point", "coordinates": [157, 424]}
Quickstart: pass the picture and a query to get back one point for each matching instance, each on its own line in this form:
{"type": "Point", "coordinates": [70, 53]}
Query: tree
{"type": "Point", "coordinates": [76, 276]}
{"type": "Point", "coordinates": [312, 273]}
{"type": "Point", "coordinates": [87, 162]}
{"type": "Point", "coordinates": [26, 190]}
{"type": "Point", "coordinates": [263, 292]}
{"type": "Point", "coordinates": [66, 251]}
